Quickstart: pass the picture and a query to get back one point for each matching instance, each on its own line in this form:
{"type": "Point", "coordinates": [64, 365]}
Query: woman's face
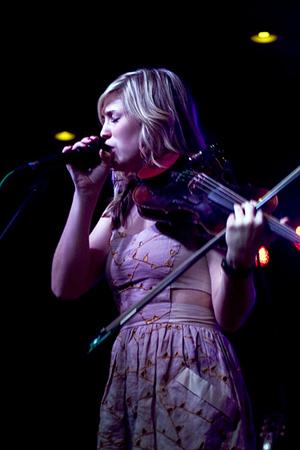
{"type": "Point", "coordinates": [121, 133]}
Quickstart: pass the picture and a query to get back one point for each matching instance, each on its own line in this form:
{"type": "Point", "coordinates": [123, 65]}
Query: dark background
{"type": "Point", "coordinates": [54, 65]}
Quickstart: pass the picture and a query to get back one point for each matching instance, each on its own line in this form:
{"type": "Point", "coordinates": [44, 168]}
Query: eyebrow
{"type": "Point", "coordinates": [109, 112]}
{"type": "Point", "coordinates": [110, 109]}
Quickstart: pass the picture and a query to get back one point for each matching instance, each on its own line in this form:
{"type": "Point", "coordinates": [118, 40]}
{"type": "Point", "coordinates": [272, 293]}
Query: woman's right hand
{"type": "Point", "coordinates": [90, 181]}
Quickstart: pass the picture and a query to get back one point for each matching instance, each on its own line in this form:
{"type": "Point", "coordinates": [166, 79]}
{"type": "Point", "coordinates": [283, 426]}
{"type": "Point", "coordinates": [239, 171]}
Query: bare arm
{"type": "Point", "coordinates": [79, 256]}
{"type": "Point", "coordinates": [234, 297]}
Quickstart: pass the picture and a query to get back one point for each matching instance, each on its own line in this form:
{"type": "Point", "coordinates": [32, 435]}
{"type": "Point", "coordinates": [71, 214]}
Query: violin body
{"type": "Point", "coordinates": [174, 197]}
{"type": "Point", "coordinates": [183, 196]}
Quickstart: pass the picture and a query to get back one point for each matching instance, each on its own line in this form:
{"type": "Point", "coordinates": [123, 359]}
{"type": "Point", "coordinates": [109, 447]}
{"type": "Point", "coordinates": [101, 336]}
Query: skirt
{"type": "Point", "coordinates": [175, 384]}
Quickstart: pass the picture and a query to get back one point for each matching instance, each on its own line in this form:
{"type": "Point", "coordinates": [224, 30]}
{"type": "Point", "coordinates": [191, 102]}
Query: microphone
{"type": "Point", "coordinates": [82, 158]}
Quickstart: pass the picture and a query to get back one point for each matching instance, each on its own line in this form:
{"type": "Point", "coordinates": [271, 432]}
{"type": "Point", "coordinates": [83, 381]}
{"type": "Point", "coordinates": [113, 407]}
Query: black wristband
{"type": "Point", "coordinates": [233, 272]}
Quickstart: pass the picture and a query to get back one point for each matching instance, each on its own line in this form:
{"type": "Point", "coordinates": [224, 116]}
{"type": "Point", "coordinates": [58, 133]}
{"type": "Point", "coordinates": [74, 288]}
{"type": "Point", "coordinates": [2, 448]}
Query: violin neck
{"type": "Point", "coordinates": [225, 197]}
{"type": "Point", "coordinates": [274, 224]}
{"type": "Point", "coordinates": [282, 230]}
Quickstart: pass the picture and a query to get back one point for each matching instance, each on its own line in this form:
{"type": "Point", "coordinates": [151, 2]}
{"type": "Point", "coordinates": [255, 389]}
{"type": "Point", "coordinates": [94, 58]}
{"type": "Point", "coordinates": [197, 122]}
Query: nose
{"type": "Point", "coordinates": [105, 131]}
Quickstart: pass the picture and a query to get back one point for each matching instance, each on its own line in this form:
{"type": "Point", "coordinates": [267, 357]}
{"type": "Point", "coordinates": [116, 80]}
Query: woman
{"type": "Point", "coordinates": [174, 381]}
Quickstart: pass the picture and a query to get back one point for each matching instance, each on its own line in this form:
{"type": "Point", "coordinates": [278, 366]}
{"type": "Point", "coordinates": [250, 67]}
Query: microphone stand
{"type": "Point", "coordinates": [32, 193]}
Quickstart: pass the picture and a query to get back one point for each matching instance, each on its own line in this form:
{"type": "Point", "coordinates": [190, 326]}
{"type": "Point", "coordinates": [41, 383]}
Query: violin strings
{"type": "Point", "coordinates": [223, 191]}
{"type": "Point", "coordinates": [281, 229]}
{"type": "Point", "coordinates": [206, 184]}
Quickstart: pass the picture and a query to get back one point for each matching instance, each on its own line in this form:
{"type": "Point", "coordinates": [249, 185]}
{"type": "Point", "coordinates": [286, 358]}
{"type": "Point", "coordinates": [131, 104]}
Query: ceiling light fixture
{"type": "Point", "coordinates": [264, 37]}
{"type": "Point", "coordinates": [64, 136]}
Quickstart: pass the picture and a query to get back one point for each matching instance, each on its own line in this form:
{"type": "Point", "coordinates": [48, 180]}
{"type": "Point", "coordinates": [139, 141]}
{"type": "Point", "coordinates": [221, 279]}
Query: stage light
{"type": "Point", "coordinates": [264, 37]}
{"type": "Point", "coordinates": [64, 136]}
{"type": "Point", "coordinates": [297, 245]}
{"type": "Point", "coordinates": [263, 257]}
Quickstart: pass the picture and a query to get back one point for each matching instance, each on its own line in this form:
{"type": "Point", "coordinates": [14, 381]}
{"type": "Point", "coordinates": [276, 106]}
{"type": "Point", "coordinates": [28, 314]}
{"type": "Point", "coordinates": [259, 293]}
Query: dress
{"type": "Point", "coordinates": [174, 380]}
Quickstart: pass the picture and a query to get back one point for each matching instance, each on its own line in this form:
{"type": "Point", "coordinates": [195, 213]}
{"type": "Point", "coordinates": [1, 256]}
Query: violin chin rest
{"type": "Point", "coordinates": [165, 162]}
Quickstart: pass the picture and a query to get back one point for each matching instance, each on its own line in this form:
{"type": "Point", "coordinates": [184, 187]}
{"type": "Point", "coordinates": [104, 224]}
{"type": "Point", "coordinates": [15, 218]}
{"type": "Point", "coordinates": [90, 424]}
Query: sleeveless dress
{"type": "Point", "coordinates": [174, 381]}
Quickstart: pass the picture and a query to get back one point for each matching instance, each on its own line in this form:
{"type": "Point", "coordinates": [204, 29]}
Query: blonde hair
{"type": "Point", "coordinates": [162, 104]}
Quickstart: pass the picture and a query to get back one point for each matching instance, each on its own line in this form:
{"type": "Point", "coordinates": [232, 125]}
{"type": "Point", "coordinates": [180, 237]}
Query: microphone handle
{"type": "Point", "coordinates": [82, 158]}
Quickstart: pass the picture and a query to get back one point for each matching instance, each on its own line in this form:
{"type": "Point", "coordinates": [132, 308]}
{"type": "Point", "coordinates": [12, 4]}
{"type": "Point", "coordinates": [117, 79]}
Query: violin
{"type": "Point", "coordinates": [164, 193]}
{"type": "Point", "coordinates": [180, 194]}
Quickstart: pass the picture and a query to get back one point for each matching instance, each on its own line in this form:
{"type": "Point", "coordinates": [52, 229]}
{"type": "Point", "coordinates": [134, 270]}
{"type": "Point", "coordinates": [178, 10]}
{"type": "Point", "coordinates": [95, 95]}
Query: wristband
{"type": "Point", "coordinates": [233, 272]}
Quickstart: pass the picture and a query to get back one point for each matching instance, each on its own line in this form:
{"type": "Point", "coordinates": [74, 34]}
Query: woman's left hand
{"type": "Point", "coordinates": [245, 233]}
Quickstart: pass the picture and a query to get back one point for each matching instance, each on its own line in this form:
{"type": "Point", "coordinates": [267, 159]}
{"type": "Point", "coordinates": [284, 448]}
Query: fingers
{"type": "Point", "coordinates": [246, 213]}
{"type": "Point", "coordinates": [67, 148]}
{"type": "Point", "coordinates": [284, 220]}
{"type": "Point", "coordinates": [105, 156]}
{"type": "Point", "coordinates": [87, 162]}
{"type": "Point", "coordinates": [80, 144]}
{"type": "Point", "coordinates": [244, 233]}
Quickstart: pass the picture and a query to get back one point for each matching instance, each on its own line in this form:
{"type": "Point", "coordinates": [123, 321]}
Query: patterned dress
{"type": "Point", "coordinates": [174, 380]}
